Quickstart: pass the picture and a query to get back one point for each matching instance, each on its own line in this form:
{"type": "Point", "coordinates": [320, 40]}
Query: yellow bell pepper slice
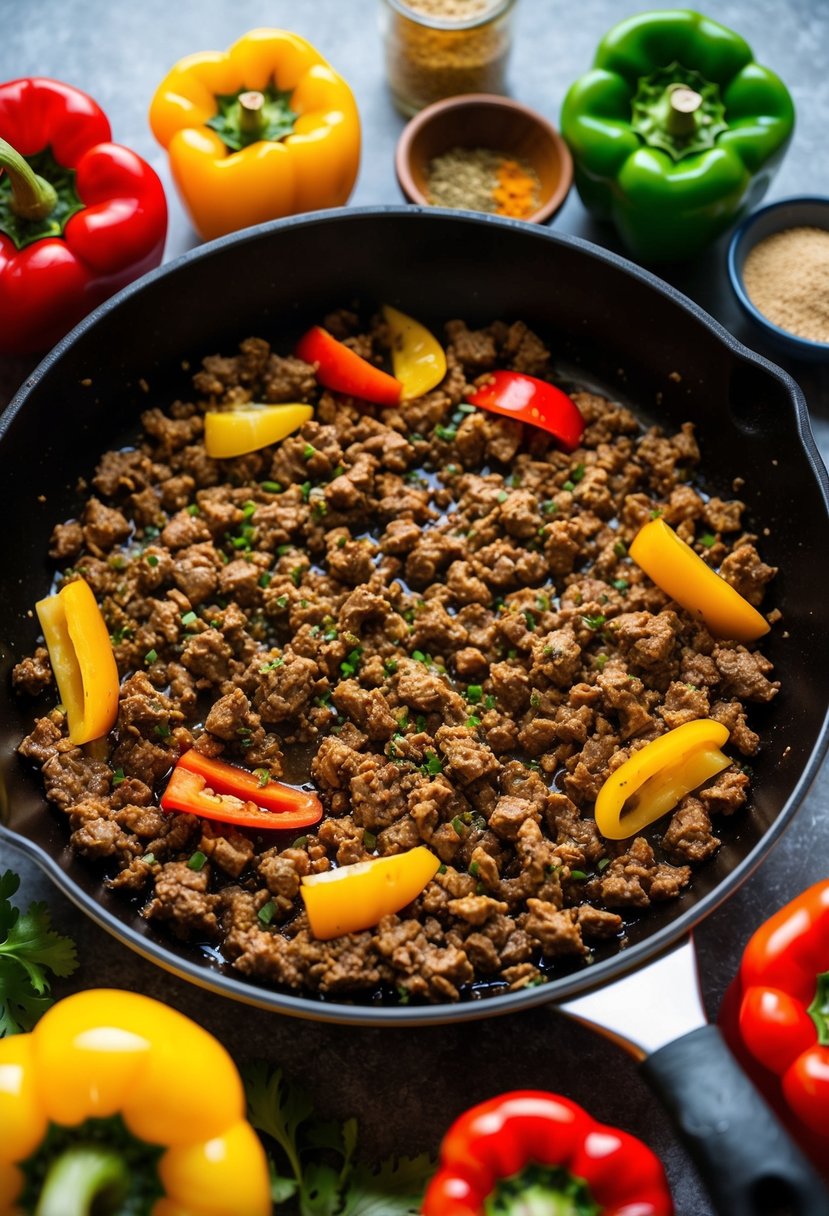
{"type": "Point", "coordinates": [358, 896]}
{"type": "Point", "coordinates": [418, 359]}
{"type": "Point", "coordinates": [106, 1052]}
{"type": "Point", "coordinates": [684, 576]}
{"type": "Point", "coordinates": [248, 428]}
{"type": "Point", "coordinates": [654, 779]}
{"type": "Point", "coordinates": [82, 660]}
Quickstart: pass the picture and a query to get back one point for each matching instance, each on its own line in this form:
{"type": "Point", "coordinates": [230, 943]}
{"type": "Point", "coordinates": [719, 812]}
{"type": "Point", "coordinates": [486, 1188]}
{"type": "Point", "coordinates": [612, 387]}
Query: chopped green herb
{"type": "Point", "coordinates": [150, 532]}
{"type": "Point", "coordinates": [369, 840]}
{"type": "Point", "coordinates": [283, 549]}
{"type": "Point", "coordinates": [193, 509]}
{"type": "Point", "coordinates": [149, 858]}
{"type": "Point", "coordinates": [569, 485]}
{"type": "Point", "coordinates": [305, 490]}
{"type": "Point", "coordinates": [474, 869]}
{"type": "Point", "coordinates": [274, 663]}
{"type": "Point", "coordinates": [502, 496]}
{"type": "Point", "coordinates": [118, 776]}
{"type": "Point", "coordinates": [188, 619]}
{"type": "Point", "coordinates": [708, 540]}
{"type": "Point", "coordinates": [263, 776]}
{"type": "Point", "coordinates": [577, 473]}
{"type": "Point", "coordinates": [162, 729]}
{"type": "Point", "coordinates": [281, 601]}
{"type": "Point", "coordinates": [248, 509]}
{"type": "Point", "coordinates": [308, 451]}
{"type": "Point", "coordinates": [442, 868]}
{"type": "Point", "coordinates": [515, 480]}
{"type": "Point", "coordinates": [489, 701]}
{"type": "Point", "coordinates": [433, 764]}
{"type": "Point", "coordinates": [579, 875]}
{"type": "Point", "coordinates": [656, 513]}
{"type": "Point", "coordinates": [330, 635]}
{"type": "Point", "coordinates": [390, 667]}
{"type": "Point", "coordinates": [474, 693]}
{"type": "Point", "coordinates": [319, 508]}
{"type": "Point", "coordinates": [265, 578]}
{"type": "Point", "coordinates": [529, 619]}
{"type": "Point", "coordinates": [117, 562]}
{"type": "Point", "coordinates": [535, 700]}
{"type": "Point", "coordinates": [600, 661]}
{"type": "Point", "coordinates": [418, 656]}
{"type": "Point", "coordinates": [152, 560]}
{"type": "Point", "coordinates": [150, 656]}
{"type": "Point", "coordinates": [542, 602]}
{"type": "Point", "coordinates": [338, 472]}
{"type": "Point", "coordinates": [352, 661]}
{"type": "Point", "coordinates": [267, 912]}
{"type": "Point", "coordinates": [472, 721]}
{"type": "Point", "coordinates": [296, 575]}
{"type": "Point", "coordinates": [594, 622]}
{"type": "Point", "coordinates": [621, 584]}
{"type": "Point", "coordinates": [197, 861]}
{"type": "Point", "coordinates": [459, 826]}
{"type": "Point", "coordinates": [300, 842]}
{"type": "Point", "coordinates": [548, 507]}
{"type": "Point", "coordinates": [271, 487]}
{"type": "Point", "coordinates": [603, 864]}
{"type": "Point", "coordinates": [446, 433]}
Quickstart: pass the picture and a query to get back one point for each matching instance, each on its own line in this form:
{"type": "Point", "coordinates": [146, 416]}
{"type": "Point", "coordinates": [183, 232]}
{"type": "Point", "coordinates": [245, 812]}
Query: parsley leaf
{"type": "Point", "coordinates": [29, 949]}
{"type": "Point", "coordinates": [312, 1159]}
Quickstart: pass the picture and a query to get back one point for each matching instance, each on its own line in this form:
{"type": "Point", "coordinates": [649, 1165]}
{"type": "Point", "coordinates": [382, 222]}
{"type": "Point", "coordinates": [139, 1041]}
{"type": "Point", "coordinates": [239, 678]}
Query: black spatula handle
{"type": "Point", "coordinates": [746, 1159]}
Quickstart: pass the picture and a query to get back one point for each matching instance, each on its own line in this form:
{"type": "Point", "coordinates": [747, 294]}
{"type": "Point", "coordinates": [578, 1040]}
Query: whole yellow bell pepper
{"type": "Point", "coordinates": [358, 896]}
{"type": "Point", "coordinates": [114, 1097]}
{"type": "Point", "coordinates": [684, 576]}
{"type": "Point", "coordinates": [656, 777]}
{"type": "Point", "coordinates": [264, 130]}
{"type": "Point", "coordinates": [82, 660]}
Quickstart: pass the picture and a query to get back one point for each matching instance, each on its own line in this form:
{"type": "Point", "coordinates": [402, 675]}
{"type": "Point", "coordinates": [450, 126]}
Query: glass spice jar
{"type": "Point", "coordinates": [439, 48]}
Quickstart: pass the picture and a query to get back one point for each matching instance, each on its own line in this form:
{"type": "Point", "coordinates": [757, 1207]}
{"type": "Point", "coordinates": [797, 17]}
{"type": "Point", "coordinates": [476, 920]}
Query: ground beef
{"type": "Point", "coordinates": [426, 611]}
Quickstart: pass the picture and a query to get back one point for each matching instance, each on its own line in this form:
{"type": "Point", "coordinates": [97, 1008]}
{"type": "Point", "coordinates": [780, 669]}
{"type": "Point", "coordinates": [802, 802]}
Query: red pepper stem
{"type": "Point", "coordinates": [33, 198]}
{"type": "Point", "coordinates": [683, 103]}
{"type": "Point", "coordinates": [251, 113]}
{"type": "Point", "coordinates": [82, 1180]}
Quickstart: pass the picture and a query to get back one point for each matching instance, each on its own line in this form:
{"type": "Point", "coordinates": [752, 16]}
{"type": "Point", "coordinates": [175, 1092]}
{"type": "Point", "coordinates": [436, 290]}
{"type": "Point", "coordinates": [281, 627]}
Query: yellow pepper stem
{"type": "Point", "coordinates": [82, 1180]}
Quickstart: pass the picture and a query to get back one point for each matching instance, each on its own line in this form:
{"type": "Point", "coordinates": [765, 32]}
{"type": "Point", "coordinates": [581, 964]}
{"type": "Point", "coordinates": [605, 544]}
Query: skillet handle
{"type": "Point", "coordinates": [747, 1161]}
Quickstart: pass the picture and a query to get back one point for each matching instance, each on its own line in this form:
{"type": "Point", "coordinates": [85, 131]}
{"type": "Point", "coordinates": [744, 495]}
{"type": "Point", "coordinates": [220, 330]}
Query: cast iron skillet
{"type": "Point", "coordinates": [612, 324]}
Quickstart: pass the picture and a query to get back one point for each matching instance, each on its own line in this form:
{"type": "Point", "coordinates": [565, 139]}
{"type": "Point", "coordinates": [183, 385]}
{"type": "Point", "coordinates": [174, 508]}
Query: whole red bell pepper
{"type": "Point", "coordinates": [775, 1017]}
{"type": "Point", "coordinates": [80, 217]}
{"type": "Point", "coordinates": [530, 1152]}
{"type": "Point", "coordinates": [537, 402]}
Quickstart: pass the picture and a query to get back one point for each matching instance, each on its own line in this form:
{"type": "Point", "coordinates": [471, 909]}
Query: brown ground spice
{"type": "Point", "coordinates": [787, 280]}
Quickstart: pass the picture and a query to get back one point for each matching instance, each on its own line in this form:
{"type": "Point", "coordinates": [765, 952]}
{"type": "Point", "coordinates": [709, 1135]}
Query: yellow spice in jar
{"type": "Point", "coordinates": [786, 276]}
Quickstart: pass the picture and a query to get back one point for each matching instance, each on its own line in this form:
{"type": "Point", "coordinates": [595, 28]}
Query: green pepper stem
{"type": "Point", "coordinates": [251, 113]}
{"type": "Point", "coordinates": [33, 198]}
{"type": "Point", "coordinates": [81, 1177]}
{"type": "Point", "coordinates": [683, 104]}
{"type": "Point", "coordinates": [538, 1201]}
{"type": "Point", "coordinates": [819, 1008]}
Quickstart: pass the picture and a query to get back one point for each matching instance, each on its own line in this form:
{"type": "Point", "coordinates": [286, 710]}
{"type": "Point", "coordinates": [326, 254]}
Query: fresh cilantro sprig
{"type": "Point", "coordinates": [312, 1160]}
{"type": "Point", "coordinates": [29, 949]}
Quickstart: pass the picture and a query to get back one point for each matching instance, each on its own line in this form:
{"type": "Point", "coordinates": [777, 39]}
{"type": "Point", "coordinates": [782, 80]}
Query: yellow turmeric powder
{"type": "Point", "coordinates": [517, 192]}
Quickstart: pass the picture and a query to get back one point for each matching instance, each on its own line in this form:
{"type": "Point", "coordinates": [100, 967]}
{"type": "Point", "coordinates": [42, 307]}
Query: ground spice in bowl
{"type": "Point", "coordinates": [480, 179]}
{"type": "Point", "coordinates": [786, 277]}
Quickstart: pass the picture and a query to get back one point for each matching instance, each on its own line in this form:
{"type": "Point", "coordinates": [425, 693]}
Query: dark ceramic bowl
{"type": "Point", "coordinates": [812, 212]}
{"type": "Point", "coordinates": [482, 120]}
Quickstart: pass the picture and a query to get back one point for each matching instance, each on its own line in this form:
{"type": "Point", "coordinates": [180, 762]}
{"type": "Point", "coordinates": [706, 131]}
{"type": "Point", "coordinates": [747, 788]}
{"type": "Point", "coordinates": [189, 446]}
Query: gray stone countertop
{"type": "Point", "coordinates": [406, 1085]}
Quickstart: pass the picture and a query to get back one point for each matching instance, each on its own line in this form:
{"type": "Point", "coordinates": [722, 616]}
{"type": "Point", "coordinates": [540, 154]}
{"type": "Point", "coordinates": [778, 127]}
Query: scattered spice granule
{"type": "Point", "coordinates": [786, 276]}
{"type": "Point", "coordinates": [479, 179]}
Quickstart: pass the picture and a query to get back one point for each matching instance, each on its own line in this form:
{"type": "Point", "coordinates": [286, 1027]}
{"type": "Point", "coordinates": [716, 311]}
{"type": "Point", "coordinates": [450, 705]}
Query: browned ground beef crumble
{"type": "Point", "coordinates": [433, 606]}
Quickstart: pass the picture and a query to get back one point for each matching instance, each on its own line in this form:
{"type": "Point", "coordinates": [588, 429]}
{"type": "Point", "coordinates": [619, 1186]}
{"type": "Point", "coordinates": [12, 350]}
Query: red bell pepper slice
{"type": "Point", "coordinates": [516, 395]}
{"type": "Point", "coordinates": [343, 370]}
{"type": "Point", "coordinates": [531, 1151]}
{"type": "Point", "coordinates": [776, 1016]}
{"type": "Point", "coordinates": [80, 217]}
{"type": "Point", "coordinates": [213, 789]}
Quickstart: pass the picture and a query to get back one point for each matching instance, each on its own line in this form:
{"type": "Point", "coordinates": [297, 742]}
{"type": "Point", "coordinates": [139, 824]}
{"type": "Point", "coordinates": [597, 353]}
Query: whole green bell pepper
{"type": "Point", "coordinates": [675, 131]}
